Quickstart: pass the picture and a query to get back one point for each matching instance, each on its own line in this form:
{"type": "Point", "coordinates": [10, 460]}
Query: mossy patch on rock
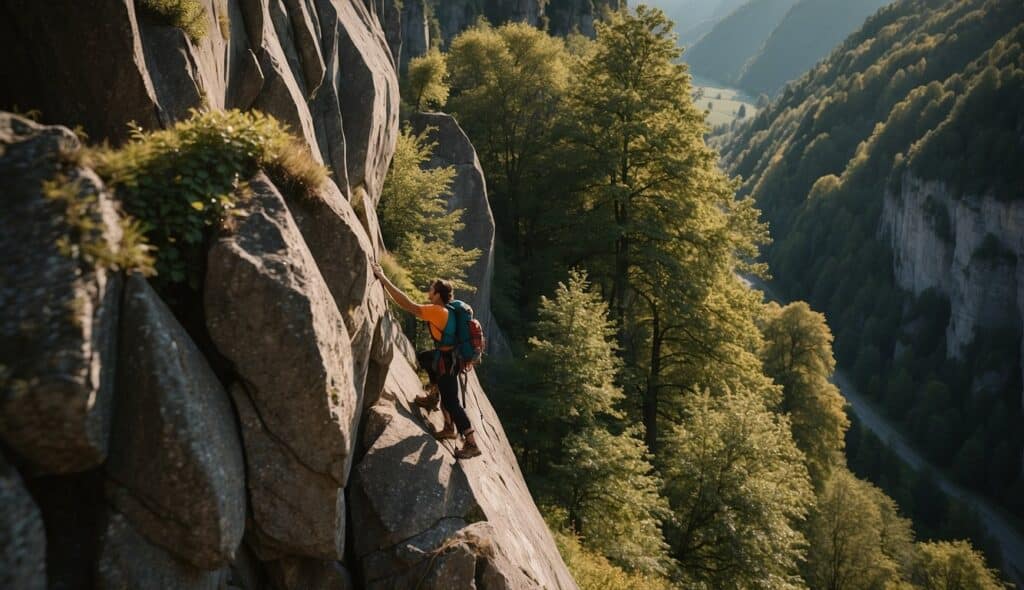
{"type": "Point", "coordinates": [182, 181]}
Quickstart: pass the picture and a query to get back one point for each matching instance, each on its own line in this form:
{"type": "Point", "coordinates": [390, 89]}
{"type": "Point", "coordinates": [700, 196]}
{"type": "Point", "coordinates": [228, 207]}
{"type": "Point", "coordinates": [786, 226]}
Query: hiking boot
{"type": "Point", "coordinates": [429, 400]}
{"type": "Point", "coordinates": [446, 433]}
{"type": "Point", "coordinates": [468, 451]}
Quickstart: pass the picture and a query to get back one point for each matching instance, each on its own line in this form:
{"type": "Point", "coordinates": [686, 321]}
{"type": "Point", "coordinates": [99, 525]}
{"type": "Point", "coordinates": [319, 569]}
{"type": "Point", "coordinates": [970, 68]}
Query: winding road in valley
{"type": "Point", "coordinates": [1010, 540]}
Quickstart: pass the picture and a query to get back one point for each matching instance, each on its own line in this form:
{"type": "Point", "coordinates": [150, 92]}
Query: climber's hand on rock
{"type": "Point", "coordinates": [377, 270]}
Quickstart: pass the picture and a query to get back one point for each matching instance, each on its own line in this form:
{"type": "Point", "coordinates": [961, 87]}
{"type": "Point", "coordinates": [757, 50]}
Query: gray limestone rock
{"type": "Point", "coordinates": [415, 31]}
{"type": "Point", "coordinates": [296, 510]}
{"type": "Point", "coordinates": [343, 253]}
{"type": "Point", "coordinates": [307, 42]}
{"type": "Point", "coordinates": [176, 459]}
{"type": "Point", "coordinates": [58, 331]}
{"type": "Point", "coordinates": [128, 561]}
{"type": "Point", "coordinates": [412, 503]}
{"type": "Point", "coordinates": [22, 539]}
{"type": "Point", "coordinates": [325, 105]}
{"type": "Point", "coordinates": [368, 96]}
{"type": "Point", "coordinates": [75, 61]}
{"type": "Point", "coordinates": [282, 94]}
{"type": "Point", "coordinates": [271, 314]}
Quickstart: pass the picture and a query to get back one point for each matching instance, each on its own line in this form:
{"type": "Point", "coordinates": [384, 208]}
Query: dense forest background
{"type": "Point", "coordinates": [678, 430]}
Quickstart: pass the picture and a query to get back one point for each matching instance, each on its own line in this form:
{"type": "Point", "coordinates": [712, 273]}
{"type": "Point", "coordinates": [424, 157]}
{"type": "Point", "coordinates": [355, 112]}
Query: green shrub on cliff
{"type": "Point", "coordinates": [183, 181]}
{"type": "Point", "coordinates": [187, 15]}
{"type": "Point", "coordinates": [593, 571]}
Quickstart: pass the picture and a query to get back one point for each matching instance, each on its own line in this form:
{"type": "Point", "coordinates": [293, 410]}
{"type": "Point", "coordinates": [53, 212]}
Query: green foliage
{"type": "Point", "coordinates": [798, 355]}
{"type": "Point", "coordinates": [573, 353]}
{"type": "Point", "coordinates": [593, 571]}
{"type": "Point", "coordinates": [569, 435]}
{"type": "Point", "coordinates": [182, 182]}
{"type": "Point", "coordinates": [187, 15]}
{"type": "Point", "coordinates": [426, 84]}
{"type": "Point", "coordinates": [506, 86]}
{"type": "Point", "coordinates": [86, 241]}
{"type": "Point", "coordinates": [949, 566]}
{"type": "Point", "coordinates": [414, 218]}
{"type": "Point", "coordinates": [856, 539]}
{"type": "Point", "coordinates": [925, 91]}
{"type": "Point", "coordinates": [611, 494]}
{"type": "Point", "coordinates": [738, 488]}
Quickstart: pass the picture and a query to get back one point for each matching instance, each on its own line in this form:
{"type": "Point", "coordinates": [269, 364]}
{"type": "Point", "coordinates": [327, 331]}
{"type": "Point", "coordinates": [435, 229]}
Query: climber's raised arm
{"type": "Point", "coordinates": [400, 298]}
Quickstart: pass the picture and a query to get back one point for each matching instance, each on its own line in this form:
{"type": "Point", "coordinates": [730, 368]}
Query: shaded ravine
{"type": "Point", "coordinates": [1011, 542]}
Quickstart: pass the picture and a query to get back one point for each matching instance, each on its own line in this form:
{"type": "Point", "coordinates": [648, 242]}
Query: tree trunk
{"type": "Point", "coordinates": [650, 406]}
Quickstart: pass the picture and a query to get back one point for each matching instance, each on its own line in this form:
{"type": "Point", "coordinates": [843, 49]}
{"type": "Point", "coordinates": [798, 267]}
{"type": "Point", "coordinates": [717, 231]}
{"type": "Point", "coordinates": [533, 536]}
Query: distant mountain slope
{"type": "Point", "coordinates": [890, 176]}
{"type": "Point", "coordinates": [721, 54]}
{"type": "Point", "coordinates": [692, 18]}
{"type": "Point", "coordinates": [808, 33]}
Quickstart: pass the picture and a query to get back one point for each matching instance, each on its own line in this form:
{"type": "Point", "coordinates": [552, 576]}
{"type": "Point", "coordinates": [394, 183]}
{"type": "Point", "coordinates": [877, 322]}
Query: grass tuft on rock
{"type": "Point", "coordinates": [86, 240]}
{"type": "Point", "coordinates": [187, 15]}
{"type": "Point", "coordinates": [182, 182]}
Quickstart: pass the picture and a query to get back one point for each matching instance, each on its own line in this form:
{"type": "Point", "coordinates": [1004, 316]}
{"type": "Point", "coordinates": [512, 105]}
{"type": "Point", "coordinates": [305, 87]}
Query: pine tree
{"type": "Point", "coordinates": [581, 457]}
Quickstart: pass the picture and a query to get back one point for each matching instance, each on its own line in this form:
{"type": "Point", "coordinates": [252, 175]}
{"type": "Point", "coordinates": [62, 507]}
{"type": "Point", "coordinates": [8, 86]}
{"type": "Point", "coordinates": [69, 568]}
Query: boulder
{"type": "Point", "coordinates": [172, 64]}
{"type": "Point", "coordinates": [296, 510]}
{"type": "Point", "coordinates": [59, 313]}
{"type": "Point", "coordinates": [22, 539]}
{"type": "Point", "coordinates": [176, 464]}
{"type": "Point", "coordinates": [79, 63]}
{"type": "Point", "coordinates": [343, 253]}
{"type": "Point", "coordinates": [325, 106]}
{"type": "Point", "coordinates": [282, 94]}
{"type": "Point", "coordinates": [368, 96]}
{"type": "Point", "coordinates": [306, 41]}
{"type": "Point", "coordinates": [128, 561]}
{"type": "Point", "coordinates": [469, 193]}
{"type": "Point", "coordinates": [271, 314]}
{"type": "Point", "coordinates": [413, 505]}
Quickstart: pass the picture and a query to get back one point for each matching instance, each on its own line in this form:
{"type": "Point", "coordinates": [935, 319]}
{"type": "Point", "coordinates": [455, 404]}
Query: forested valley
{"type": "Point", "coordinates": [677, 430]}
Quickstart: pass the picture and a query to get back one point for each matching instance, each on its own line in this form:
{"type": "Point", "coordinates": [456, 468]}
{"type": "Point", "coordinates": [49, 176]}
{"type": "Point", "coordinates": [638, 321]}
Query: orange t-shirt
{"type": "Point", "coordinates": [436, 317]}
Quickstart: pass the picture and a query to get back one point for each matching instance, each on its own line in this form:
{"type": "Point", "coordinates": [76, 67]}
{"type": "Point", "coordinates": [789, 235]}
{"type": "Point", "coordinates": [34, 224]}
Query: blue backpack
{"type": "Point", "coordinates": [463, 333]}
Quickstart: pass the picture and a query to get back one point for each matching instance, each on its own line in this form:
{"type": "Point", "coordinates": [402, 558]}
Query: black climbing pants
{"type": "Point", "coordinates": [443, 371]}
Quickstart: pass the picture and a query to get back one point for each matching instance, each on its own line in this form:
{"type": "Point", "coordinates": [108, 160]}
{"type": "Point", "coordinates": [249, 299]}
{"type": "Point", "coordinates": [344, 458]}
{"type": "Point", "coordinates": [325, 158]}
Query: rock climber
{"type": "Point", "coordinates": [440, 363]}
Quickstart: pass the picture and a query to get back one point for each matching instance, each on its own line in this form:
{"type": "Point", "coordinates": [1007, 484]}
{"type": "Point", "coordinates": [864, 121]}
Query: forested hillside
{"type": "Point", "coordinates": [677, 431]}
{"type": "Point", "coordinates": [890, 177]}
{"type": "Point", "coordinates": [807, 34]}
{"type": "Point", "coordinates": [721, 54]}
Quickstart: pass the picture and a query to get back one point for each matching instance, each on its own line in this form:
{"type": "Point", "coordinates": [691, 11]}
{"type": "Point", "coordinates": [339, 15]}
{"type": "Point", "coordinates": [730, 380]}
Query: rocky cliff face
{"type": "Point", "coordinates": [269, 441]}
{"type": "Point", "coordinates": [970, 248]}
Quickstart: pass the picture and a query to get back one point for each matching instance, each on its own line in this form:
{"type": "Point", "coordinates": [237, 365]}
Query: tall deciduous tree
{"type": "Point", "coordinates": [427, 81]}
{"type": "Point", "coordinates": [952, 565]}
{"type": "Point", "coordinates": [738, 487]}
{"type": "Point", "coordinates": [507, 83]}
{"type": "Point", "coordinates": [662, 229]}
{"type": "Point", "coordinates": [857, 541]}
{"type": "Point", "coordinates": [797, 354]}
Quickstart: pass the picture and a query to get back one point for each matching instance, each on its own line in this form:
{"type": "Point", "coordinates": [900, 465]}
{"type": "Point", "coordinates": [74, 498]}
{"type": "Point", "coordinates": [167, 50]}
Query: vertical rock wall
{"type": "Point", "coordinates": [274, 446]}
{"type": "Point", "coordinates": [970, 248]}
